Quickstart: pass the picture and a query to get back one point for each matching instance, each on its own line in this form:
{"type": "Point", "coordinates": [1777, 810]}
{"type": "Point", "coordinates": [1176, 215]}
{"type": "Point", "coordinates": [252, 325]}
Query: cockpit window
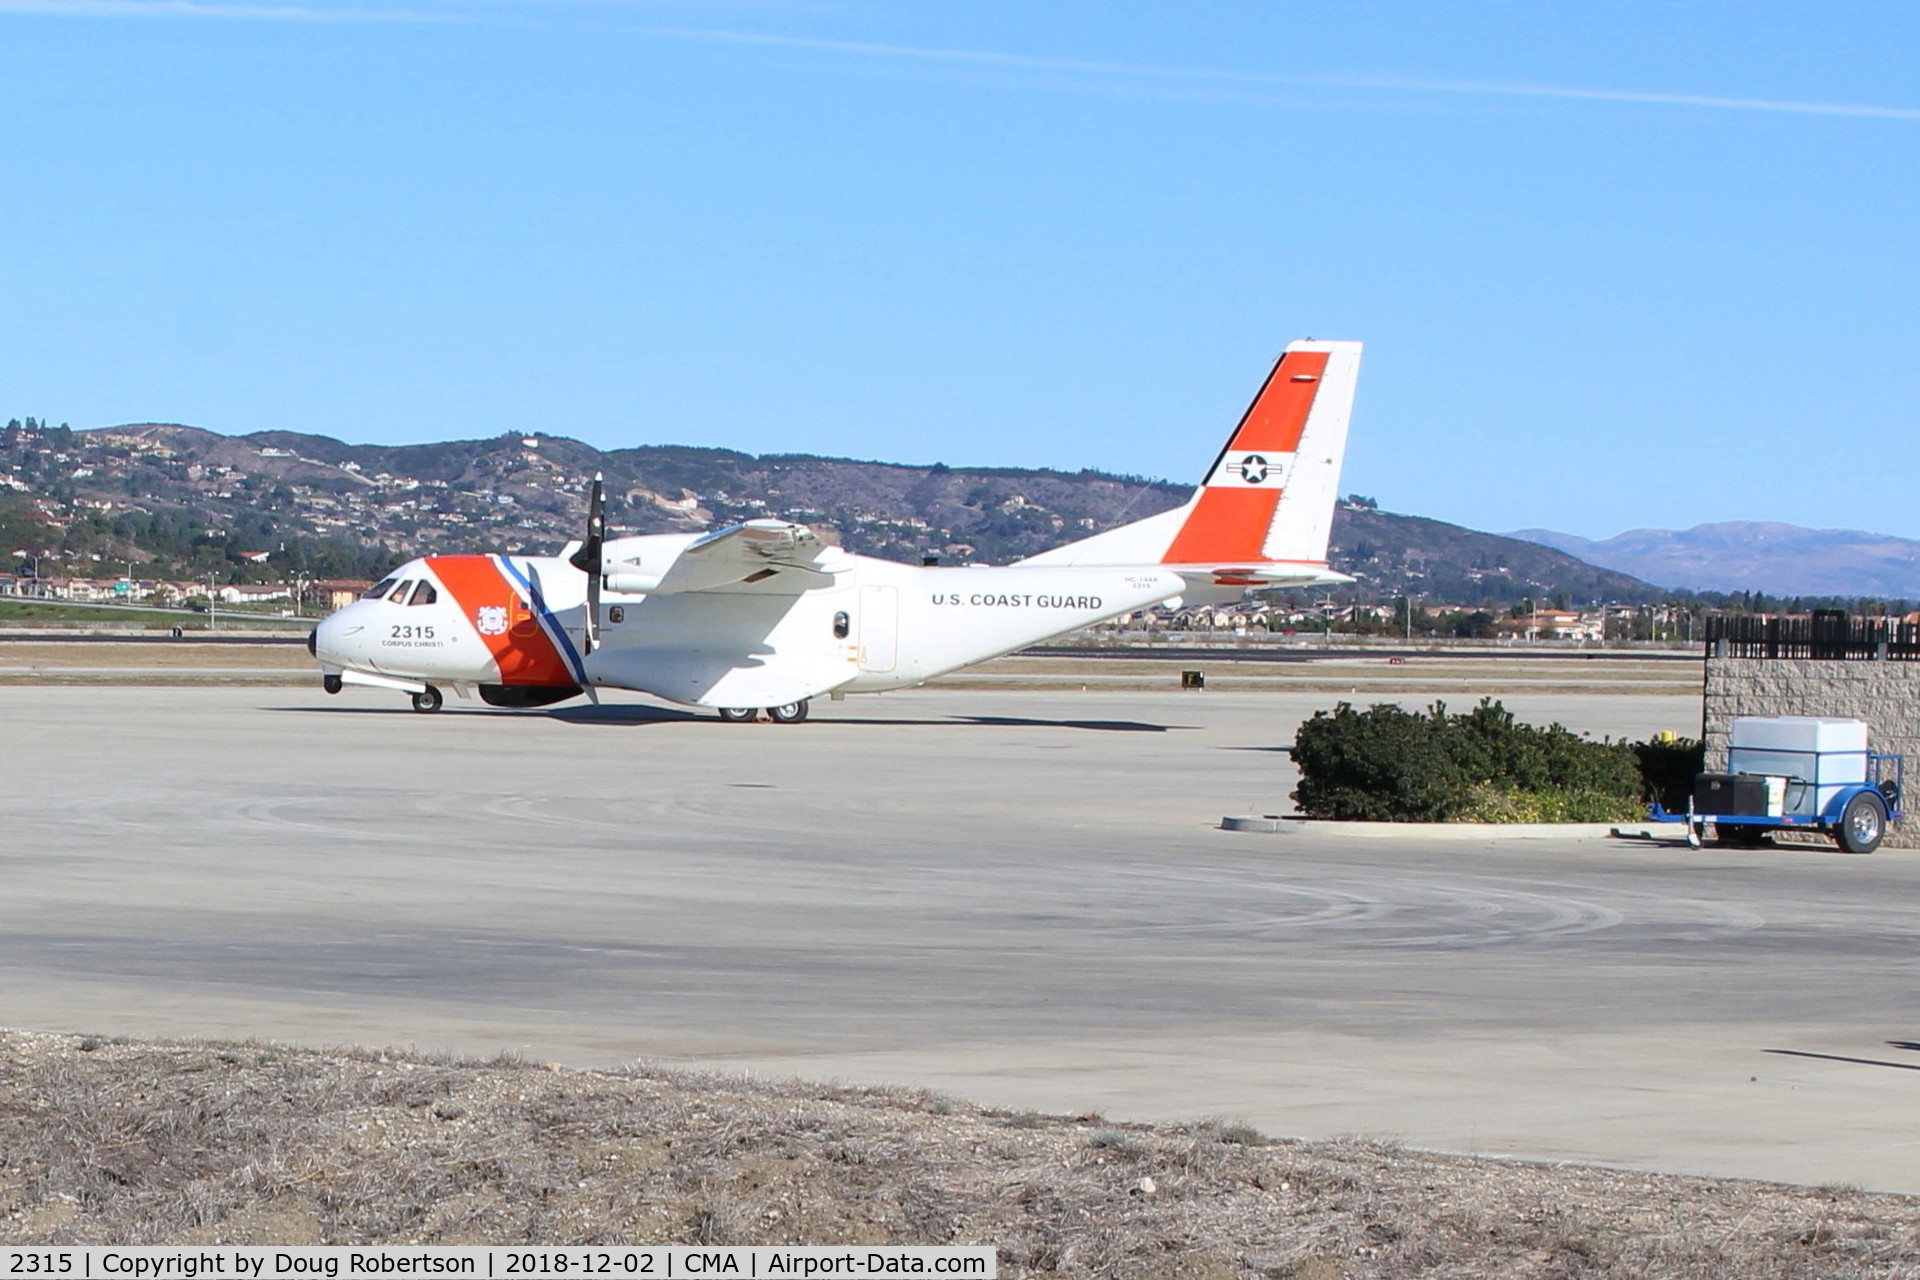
{"type": "Point", "coordinates": [399, 593]}
{"type": "Point", "coordinates": [379, 589]}
{"type": "Point", "coordinates": [424, 593]}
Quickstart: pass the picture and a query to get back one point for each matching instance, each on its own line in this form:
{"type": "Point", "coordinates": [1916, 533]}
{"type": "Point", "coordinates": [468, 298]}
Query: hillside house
{"type": "Point", "coordinates": [338, 593]}
{"type": "Point", "coordinates": [1553, 624]}
{"type": "Point", "coordinates": [253, 593]}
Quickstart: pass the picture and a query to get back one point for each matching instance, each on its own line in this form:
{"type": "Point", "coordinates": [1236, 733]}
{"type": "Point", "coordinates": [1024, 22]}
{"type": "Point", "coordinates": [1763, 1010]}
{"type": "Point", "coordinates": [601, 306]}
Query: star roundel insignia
{"type": "Point", "coordinates": [1253, 468]}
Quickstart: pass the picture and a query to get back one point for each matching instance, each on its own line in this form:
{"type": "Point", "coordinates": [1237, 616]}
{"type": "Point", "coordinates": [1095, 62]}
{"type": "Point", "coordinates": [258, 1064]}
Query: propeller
{"type": "Point", "coordinates": [588, 560]}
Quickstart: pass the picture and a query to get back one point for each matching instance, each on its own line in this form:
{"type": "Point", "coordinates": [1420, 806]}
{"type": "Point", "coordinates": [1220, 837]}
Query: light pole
{"type": "Point", "coordinates": [33, 574]}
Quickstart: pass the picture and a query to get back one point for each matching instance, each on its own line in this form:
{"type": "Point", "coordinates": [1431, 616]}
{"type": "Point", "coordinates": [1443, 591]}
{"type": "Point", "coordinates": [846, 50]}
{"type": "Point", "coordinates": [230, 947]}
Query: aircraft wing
{"type": "Point", "coordinates": [760, 543]}
{"type": "Point", "coordinates": [767, 555]}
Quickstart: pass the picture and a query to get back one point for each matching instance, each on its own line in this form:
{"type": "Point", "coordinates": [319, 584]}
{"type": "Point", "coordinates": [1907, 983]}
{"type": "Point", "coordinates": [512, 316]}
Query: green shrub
{"type": "Point", "coordinates": [1386, 764]}
{"type": "Point", "coordinates": [1491, 803]}
{"type": "Point", "coordinates": [1669, 769]}
{"type": "Point", "coordinates": [1379, 765]}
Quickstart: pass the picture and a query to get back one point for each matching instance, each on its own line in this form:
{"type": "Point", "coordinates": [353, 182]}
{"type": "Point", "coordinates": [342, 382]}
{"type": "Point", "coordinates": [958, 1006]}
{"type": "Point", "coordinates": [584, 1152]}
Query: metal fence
{"type": "Point", "coordinates": [1828, 634]}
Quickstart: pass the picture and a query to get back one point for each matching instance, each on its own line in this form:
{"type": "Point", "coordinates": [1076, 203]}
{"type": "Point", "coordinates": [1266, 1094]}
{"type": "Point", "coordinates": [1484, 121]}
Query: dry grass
{"type": "Point", "coordinates": [167, 663]}
{"type": "Point", "coordinates": [169, 655]}
{"type": "Point", "coordinates": [1344, 673]}
{"type": "Point", "coordinates": [200, 1143]}
{"type": "Point", "coordinates": [52, 662]}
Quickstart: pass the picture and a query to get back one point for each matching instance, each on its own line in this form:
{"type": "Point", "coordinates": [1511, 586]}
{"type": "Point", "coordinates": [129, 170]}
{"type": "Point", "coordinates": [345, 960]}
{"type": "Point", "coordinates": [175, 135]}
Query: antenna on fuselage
{"type": "Point", "coordinates": [588, 560]}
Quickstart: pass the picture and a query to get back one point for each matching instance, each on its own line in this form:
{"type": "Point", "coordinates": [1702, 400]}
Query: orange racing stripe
{"type": "Point", "coordinates": [1279, 413]}
{"type": "Point", "coordinates": [1226, 524]}
{"type": "Point", "coordinates": [492, 605]}
{"type": "Point", "coordinates": [1232, 523]}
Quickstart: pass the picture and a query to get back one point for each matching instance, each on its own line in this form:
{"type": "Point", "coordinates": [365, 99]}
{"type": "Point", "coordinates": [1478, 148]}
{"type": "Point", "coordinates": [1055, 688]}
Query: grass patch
{"type": "Point", "coordinates": [203, 1143]}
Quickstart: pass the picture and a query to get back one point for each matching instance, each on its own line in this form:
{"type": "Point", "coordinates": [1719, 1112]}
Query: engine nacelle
{"type": "Point", "coordinates": [633, 580]}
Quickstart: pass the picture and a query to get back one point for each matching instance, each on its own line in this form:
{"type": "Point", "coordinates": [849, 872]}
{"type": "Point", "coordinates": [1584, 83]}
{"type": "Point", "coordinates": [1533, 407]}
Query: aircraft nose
{"type": "Point", "coordinates": [324, 643]}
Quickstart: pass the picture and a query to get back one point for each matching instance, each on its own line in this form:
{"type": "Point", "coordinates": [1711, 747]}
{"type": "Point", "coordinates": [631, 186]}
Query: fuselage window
{"type": "Point", "coordinates": [617, 615]}
{"type": "Point", "coordinates": [399, 594]}
{"type": "Point", "coordinates": [379, 589]}
{"type": "Point", "coordinates": [424, 594]}
{"type": "Point", "coordinates": [842, 626]}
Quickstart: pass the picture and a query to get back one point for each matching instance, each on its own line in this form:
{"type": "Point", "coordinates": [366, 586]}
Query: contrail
{"type": "Point", "coordinates": [1197, 75]}
{"type": "Point", "coordinates": [202, 9]}
{"type": "Point", "coordinates": [1138, 72]}
{"type": "Point", "coordinates": [1630, 95]}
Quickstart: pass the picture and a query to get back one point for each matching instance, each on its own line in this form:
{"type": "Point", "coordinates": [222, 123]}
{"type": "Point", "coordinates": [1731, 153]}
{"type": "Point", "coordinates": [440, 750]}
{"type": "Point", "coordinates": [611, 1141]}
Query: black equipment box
{"type": "Point", "coordinates": [1738, 794]}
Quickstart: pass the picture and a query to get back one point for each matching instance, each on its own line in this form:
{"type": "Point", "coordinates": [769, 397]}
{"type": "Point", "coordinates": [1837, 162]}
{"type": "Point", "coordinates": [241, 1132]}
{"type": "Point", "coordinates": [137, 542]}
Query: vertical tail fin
{"type": "Point", "coordinates": [1265, 510]}
{"type": "Point", "coordinates": [1270, 494]}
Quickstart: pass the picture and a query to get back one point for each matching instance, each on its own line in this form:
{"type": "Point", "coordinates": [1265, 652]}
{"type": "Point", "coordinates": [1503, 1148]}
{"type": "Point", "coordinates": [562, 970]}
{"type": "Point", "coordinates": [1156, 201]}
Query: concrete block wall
{"type": "Point", "coordinates": [1884, 694]}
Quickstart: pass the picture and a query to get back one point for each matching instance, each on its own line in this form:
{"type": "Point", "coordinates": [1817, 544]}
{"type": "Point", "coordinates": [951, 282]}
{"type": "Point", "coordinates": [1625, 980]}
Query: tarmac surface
{"type": "Point", "coordinates": [1019, 897]}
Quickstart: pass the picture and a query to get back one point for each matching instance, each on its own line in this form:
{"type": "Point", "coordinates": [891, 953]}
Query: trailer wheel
{"type": "Point", "coordinates": [1863, 824]}
{"type": "Point", "coordinates": [1744, 835]}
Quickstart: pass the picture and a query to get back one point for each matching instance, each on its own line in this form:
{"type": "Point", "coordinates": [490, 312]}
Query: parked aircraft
{"type": "Point", "coordinates": [766, 615]}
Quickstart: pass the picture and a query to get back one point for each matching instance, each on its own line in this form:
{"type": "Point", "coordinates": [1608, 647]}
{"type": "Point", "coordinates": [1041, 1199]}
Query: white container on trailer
{"type": "Point", "coordinates": [1825, 752]}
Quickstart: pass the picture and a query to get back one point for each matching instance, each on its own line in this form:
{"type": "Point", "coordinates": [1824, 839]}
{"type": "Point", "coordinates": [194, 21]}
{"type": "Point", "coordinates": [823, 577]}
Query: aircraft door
{"type": "Point", "coordinates": [879, 628]}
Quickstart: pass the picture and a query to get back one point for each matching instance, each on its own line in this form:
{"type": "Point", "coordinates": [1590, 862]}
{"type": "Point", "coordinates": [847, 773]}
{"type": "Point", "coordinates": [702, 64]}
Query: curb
{"type": "Point", "coordinates": [1436, 830]}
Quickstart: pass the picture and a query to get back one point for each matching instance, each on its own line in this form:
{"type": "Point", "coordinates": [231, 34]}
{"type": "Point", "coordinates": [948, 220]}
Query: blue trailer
{"type": "Point", "coordinates": [1796, 773]}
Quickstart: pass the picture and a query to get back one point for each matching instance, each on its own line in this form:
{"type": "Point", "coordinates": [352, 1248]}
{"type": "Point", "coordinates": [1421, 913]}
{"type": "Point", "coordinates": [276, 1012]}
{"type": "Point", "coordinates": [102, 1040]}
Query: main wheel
{"type": "Point", "coordinates": [1745, 835]}
{"type": "Point", "coordinates": [736, 713]}
{"type": "Point", "coordinates": [789, 712]}
{"type": "Point", "coordinates": [1863, 824]}
{"type": "Point", "coordinates": [427, 700]}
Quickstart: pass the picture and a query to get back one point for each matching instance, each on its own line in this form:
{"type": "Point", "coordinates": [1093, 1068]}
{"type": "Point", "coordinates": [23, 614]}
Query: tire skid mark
{"type": "Point", "coordinates": [271, 813]}
{"type": "Point", "coordinates": [1335, 907]}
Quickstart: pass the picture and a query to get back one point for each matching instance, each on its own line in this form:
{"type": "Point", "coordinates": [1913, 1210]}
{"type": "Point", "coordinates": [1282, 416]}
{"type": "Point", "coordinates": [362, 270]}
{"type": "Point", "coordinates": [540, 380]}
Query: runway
{"type": "Point", "coordinates": [1015, 896]}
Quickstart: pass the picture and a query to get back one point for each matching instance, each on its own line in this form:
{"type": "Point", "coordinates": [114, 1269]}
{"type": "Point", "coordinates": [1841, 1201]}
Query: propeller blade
{"type": "Point", "coordinates": [588, 560]}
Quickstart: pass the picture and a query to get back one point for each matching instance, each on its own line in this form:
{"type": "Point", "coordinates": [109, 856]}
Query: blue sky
{"type": "Point", "coordinates": [1617, 264]}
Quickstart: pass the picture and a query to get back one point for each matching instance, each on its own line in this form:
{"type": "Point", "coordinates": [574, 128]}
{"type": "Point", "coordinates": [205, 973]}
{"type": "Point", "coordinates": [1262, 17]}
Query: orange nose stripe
{"type": "Point", "coordinates": [521, 650]}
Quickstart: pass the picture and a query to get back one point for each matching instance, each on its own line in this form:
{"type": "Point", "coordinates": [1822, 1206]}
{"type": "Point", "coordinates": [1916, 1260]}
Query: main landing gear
{"type": "Point", "coordinates": [785, 713]}
{"type": "Point", "coordinates": [428, 700]}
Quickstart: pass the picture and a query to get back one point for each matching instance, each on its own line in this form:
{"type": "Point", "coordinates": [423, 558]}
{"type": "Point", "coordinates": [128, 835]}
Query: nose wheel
{"type": "Point", "coordinates": [428, 700]}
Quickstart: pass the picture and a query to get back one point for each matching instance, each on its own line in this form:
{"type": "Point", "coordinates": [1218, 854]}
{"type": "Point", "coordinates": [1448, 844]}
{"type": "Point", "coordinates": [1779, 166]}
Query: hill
{"type": "Point", "coordinates": [1778, 559]}
{"type": "Point", "coordinates": [183, 501]}
{"type": "Point", "coordinates": [1398, 554]}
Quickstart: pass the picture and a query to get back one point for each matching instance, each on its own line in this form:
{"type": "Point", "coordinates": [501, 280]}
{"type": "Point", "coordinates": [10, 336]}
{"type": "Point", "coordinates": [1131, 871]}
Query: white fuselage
{"type": "Point", "coordinates": [866, 625]}
{"type": "Point", "coordinates": [765, 614]}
